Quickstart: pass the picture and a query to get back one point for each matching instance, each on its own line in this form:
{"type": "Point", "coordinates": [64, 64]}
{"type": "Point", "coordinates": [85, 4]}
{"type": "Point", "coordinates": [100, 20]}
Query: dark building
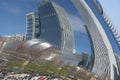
{"type": "Point", "coordinates": [55, 27]}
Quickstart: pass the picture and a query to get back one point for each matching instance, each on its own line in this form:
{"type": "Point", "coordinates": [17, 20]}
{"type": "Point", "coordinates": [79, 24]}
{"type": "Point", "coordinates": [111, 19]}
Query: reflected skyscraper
{"type": "Point", "coordinates": [32, 26]}
{"type": "Point", "coordinates": [100, 32]}
{"type": "Point", "coordinates": [55, 27]}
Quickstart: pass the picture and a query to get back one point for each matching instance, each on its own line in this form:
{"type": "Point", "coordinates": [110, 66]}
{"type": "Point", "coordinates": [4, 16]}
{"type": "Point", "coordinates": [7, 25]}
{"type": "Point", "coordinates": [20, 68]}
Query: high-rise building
{"type": "Point", "coordinates": [103, 59]}
{"type": "Point", "coordinates": [32, 26]}
{"type": "Point", "coordinates": [55, 27]}
{"type": "Point", "coordinates": [106, 23]}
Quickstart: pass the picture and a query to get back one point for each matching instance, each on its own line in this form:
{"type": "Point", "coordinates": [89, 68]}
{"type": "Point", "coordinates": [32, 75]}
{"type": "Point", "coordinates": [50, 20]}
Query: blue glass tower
{"type": "Point", "coordinates": [55, 27]}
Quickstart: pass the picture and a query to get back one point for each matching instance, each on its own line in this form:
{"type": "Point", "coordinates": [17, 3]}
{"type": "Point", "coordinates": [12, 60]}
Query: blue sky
{"type": "Point", "coordinates": [112, 9]}
{"type": "Point", "coordinates": [13, 18]}
{"type": "Point", "coordinates": [12, 15]}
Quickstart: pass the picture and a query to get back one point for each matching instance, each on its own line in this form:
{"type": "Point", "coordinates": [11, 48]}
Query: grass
{"type": "Point", "coordinates": [41, 68]}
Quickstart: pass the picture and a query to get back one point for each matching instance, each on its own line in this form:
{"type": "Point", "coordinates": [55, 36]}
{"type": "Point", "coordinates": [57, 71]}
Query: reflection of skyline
{"type": "Point", "coordinates": [28, 6]}
{"type": "Point", "coordinates": [17, 24]}
{"type": "Point", "coordinates": [75, 12]}
{"type": "Point", "coordinates": [56, 30]}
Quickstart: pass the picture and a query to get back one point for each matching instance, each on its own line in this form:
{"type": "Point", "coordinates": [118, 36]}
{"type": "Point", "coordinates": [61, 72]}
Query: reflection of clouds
{"type": "Point", "coordinates": [76, 23]}
{"type": "Point", "coordinates": [10, 8]}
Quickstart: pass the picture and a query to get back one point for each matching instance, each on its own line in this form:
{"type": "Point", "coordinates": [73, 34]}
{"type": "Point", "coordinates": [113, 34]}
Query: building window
{"type": "Point", "coordinates": [30, 23]}
{"type": "Point", "coordinates": [30, 19]}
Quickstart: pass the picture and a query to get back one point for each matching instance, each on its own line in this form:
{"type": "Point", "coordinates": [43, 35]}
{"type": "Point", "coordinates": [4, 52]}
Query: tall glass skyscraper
{"type": "Point", "coordinates": [32, 26]}
{"type": "Point", "coordinates": [100, 34]}
{"type": "Point", "coordinates": [55, 27]}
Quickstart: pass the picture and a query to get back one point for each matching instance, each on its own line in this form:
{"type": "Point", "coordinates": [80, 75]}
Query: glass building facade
{"type": "Point", "coordinates": [55, 27]}
{"type": "Point", "coordinates": [106, 23]}
{"type": "Point", "coordinates": [82, 45]}
{"type": "Point", "coordinates": [103, 60]}
{"type": "Point", "coordinates": [32, 26]}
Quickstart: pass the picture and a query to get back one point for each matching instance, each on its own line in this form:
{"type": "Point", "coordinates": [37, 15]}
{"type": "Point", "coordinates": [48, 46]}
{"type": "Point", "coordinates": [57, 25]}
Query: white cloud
{"type": "Point", "coordinates": [76, 23]}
